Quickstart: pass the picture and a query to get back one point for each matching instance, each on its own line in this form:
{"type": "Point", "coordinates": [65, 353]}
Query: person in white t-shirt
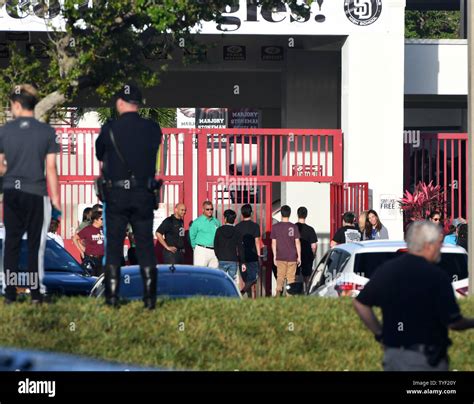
{"type": "Point", "coordinates": [348, 233]}
{"type": "Point", "coordinates": [53, 232]}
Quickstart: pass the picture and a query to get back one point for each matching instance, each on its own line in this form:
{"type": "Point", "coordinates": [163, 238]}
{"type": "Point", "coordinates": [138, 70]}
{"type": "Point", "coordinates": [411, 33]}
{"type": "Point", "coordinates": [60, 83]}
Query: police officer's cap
{"type": "Point", "coordinates": [131, 94]}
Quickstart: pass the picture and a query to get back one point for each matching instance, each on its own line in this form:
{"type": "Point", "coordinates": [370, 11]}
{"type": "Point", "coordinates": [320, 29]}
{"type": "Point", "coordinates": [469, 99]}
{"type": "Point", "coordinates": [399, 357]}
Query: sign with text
{"type": "Point", "coordinates": [323, 17]}
{"type": "Point", "coordinates": [211, 117]}
{"type": "Point", "coordinates": [244, 17]}
{"type": "Point", "coordinates": [389, 207]}
{"type": "Point", "coordinates": [244, 118]}
{"type": "Point", "coordinates": [186, 117]}
{"type": "Point", "coordinates": [307, 170]}
{"type": "Point", "coordinates": [272, 53]}
{"type": "Point", "coordinates": [234, 53]}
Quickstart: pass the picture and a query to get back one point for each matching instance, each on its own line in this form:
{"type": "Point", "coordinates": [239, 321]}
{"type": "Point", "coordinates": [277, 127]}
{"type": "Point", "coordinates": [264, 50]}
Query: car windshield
{"type": "Point", "coordinates": [182, 284]}
{"type": "Point", "coordinates": [454, 264]}
{"type": "Point", "coordinates": [56, 258]}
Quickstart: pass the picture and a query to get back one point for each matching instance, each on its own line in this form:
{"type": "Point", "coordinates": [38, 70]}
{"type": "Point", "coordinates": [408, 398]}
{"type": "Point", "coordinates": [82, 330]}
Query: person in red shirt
{"type": "Point", "coordinates": [92, 237]}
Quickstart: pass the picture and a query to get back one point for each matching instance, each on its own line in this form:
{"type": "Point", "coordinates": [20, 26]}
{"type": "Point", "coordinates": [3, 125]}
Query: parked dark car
{"type": "Point", "coordinates": [62, 273]}
{"type": "Point", "coordinates": [180, 281]}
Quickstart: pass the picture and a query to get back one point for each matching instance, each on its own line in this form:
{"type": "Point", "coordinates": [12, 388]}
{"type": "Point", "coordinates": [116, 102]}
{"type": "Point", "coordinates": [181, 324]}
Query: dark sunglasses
{"type": "Point", "coordinates": [210, 209]}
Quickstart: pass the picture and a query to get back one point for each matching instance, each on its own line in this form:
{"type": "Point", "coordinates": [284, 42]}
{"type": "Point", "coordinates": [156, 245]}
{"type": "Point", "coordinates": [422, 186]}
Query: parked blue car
{"type": "Point", "coordinates": [62, 273]}
{"type": "Point", "coordinates": [180, 281]}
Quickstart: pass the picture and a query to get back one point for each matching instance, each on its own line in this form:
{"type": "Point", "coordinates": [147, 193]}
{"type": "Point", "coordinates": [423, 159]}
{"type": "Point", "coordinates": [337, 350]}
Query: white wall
{"type": "Point", "coordinates": [436, 67]}
{"type": "Point", "coordinates": [372, 111]}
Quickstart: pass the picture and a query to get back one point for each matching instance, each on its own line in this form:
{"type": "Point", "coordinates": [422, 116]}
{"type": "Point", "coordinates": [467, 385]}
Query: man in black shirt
{"type": "Point", "coordinates": [228, 245]}
{"type": "Point", "coordinates": [250, 232]}
{"type": "Point", "coordinates": [417, 302]}
{"type": "Point", "coordinates": [170, 235]}
{"type": "Point", "coordinates": [347, 233]}
{"type": "Point", "coordinates": [128, 148]}
{"type": "Point", "coordinates": [309, 245]}
{"type": "Point", "coordinates": [27, 147]}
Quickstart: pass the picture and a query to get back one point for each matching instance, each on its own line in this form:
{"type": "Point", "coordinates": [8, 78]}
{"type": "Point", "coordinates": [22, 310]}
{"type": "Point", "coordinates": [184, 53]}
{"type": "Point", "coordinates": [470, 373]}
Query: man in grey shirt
{"type": "Point", "coordinates": [26, 146]}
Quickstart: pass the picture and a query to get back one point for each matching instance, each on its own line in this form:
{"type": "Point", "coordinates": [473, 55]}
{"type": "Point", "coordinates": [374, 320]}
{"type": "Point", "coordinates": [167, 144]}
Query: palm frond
{"type": "Point", "coordinates": [166, 117]}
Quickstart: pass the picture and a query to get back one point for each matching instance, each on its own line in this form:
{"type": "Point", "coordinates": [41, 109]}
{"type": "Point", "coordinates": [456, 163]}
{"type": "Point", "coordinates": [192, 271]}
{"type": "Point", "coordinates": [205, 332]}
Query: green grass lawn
{"type": "Point", "coordinates": [211, 334]}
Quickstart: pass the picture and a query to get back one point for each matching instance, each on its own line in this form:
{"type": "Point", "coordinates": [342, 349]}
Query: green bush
{"type": "Point", "coordinates": [211, 334]}
{"type": "Point", "coordinates": [432, 24]}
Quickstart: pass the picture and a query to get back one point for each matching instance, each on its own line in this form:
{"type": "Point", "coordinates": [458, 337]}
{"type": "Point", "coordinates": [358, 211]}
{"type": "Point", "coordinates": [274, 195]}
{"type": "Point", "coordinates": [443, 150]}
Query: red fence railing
{"type": "Point", "coordinates": [273, 155]}
{"type": "Point", "coordinates": [347, 197]}
{"type": "Point", "coordinates": [443, 159]}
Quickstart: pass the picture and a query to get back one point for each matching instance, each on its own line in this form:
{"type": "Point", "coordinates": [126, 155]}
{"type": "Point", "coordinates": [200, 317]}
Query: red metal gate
{"type": "Point", "coordinates": [233, 194]}
{"type": "Point", "coordinates": [274, 155]}
{"type": "Point", "coordinates": [77, 168]}
{"type": "Point", "coordinates": [175, 169]}
{"type": "Point", "coordinates": [238, 166]}
{"type": "Point", "coordinates": [345, 197]}
{"type": "Point", "coordinates": [441, 158]}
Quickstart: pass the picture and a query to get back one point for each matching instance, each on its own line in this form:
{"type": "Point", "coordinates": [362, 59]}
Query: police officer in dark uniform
{"type": "Point", "coordinates": [418, 305]}
{"type": "Point", "coordinates": [128, 148]}
{"type": "Point", "coordinates": [171, 236]}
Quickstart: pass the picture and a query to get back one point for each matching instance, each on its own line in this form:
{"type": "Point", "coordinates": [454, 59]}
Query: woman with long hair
{"type": "Point", "coordinates": [435, 217]}
{"type": "Point", "coordinates": [363, 223]}
{"type": "Point", "coordinates": [374, 229]}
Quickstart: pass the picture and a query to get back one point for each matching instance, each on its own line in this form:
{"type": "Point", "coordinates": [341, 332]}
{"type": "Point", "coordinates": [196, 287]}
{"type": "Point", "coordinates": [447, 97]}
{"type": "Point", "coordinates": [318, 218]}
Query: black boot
{"type": "Point", "coordinates": [112, 284]}
{"type": "Point", "coordinates": [149, 277]}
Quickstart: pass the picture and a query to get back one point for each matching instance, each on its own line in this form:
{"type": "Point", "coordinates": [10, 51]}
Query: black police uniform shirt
{"type": "Point", "coordinates": [249, 231]}
{"type": "Point", "coordinates": [137, 139]}
{"type": "Point", "coordinates": [347, 234]}
{"type": "Point", "coordinates": [25, 143]}
{"type": "Point", "coordinates": [417, 301]}
{"type": "Point", "coordinates": [173, 231]}
{"type": "Point", "coordinates": [307, 237]}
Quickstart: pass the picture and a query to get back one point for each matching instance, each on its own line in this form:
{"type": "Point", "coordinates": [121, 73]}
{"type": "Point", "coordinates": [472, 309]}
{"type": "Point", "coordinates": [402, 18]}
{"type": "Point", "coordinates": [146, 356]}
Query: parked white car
{"type": "Point", "coordinates": [346, 268]}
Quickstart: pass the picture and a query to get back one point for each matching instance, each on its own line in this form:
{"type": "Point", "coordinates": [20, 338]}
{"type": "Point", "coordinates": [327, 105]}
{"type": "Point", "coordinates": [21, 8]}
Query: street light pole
{"type": "Point", "coordinates": [470, 101]}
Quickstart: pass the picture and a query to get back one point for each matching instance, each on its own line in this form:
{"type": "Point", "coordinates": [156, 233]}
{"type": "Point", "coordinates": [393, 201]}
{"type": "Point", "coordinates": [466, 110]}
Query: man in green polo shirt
{"type": "Point", "coordinates": [202, 233]}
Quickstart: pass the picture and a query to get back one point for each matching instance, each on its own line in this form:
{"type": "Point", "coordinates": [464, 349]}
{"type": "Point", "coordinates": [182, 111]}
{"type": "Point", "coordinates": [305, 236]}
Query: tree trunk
{"type": "Point", "coordinates": [47, 104]}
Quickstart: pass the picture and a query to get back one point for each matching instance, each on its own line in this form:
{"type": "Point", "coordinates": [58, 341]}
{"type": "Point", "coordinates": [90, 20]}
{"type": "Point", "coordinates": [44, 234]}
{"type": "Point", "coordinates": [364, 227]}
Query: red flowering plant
{"type": "Point", "coordinates": [425, 199]}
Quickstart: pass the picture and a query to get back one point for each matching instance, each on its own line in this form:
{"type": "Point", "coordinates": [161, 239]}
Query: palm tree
{"type": "Point", "coordinates": [166, 117]}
